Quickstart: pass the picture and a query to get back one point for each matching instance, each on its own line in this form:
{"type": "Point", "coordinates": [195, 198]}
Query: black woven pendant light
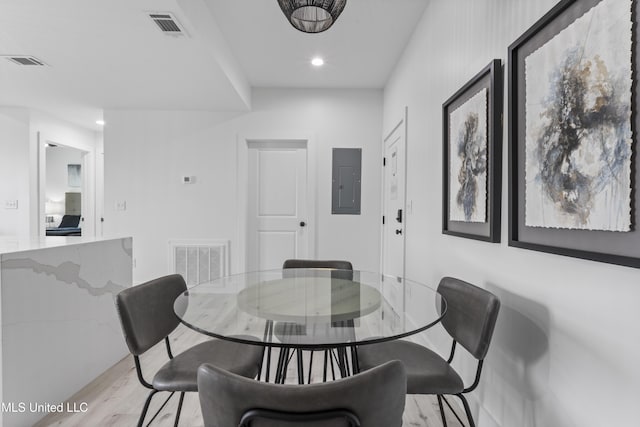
{"type": "Point", "coordinates": [312, 16]}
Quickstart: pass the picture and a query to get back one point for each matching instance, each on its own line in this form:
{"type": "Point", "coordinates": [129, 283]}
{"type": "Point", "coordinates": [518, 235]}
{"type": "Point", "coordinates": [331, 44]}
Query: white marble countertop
{"type": "Point", "coordinates": [20, 244]}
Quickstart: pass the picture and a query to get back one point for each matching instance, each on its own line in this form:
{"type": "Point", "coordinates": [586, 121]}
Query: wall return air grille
{"type": "Point", "coordinates": [199, 261]}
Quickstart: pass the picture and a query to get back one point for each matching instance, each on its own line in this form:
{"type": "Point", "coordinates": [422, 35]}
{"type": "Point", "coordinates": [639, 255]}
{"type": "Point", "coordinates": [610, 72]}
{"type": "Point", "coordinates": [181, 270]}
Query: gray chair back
{"type": "Point", "coordinates": [146, 311]}
{"type": "Point", "coordinates": [315, 263]}
{"type": "Point", "coordinates": [376, 397]}
{"type": "Point", "coordinates": [471, 314]}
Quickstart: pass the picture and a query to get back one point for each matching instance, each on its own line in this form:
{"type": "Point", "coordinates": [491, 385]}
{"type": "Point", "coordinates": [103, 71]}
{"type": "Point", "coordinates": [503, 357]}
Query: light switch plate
{"type": "Point", "coordinates": [11, 204]}
{"type": "Point", "coordinates": [121, 205]}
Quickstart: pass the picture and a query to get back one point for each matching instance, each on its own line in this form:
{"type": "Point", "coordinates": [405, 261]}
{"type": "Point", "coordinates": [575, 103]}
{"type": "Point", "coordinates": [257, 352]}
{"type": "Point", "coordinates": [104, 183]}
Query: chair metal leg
{"type": "Point", "coordinates": [333, 372]}
{"type": "Point", "coordinates": [345, 357]}
{"type": "Point", "coordinates": [310, 366]}
{"type": "Point", "coordinates": [268, 334]}
{"type": "Point", "coordinates": [444, 419]}
{"type": "Point", "coordinates": [285, 365]}
{"type": "Point", "coordinates": [146, 408]}
{"type": "Point", "coordinates": [355, 362]}
{"type": "Point", "coordinates": [281, 367]}
{"type": "Point", "coordinates": [300, 367]}
{"type": "Point", "coordinates": [268, 368]}
{"type": "Point", "coordinates": [453, 411]}
{"type": "Point", "coordinates": [260, 364]}
{"type": "Point", "coordinates": [290, 353]}
{"type": "Point", "coordinates": [324, 371]}
{"type": "Point", "coordinates": [339, 362]}
{"type": "Point", "coordinates": [343, 364]}
{"type": "Point", "coordinates": [467, 410]}
{"type": "Point", "coordinates": [179, 409]}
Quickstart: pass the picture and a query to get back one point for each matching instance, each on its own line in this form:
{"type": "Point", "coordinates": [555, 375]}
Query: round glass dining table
{"type": "Point", "coordinates": [310, 308]}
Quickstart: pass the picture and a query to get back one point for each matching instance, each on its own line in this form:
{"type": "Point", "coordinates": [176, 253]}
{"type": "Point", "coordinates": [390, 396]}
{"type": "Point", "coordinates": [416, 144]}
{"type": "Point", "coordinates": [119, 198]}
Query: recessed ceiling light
{"type": "Point", "coordinates": [317, 62]}
{"type": "Point", "coordinates": [100, 122]}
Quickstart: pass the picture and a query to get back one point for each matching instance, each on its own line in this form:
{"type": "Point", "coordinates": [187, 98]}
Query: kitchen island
{"type": "Point", "coordinates": [58, 320]}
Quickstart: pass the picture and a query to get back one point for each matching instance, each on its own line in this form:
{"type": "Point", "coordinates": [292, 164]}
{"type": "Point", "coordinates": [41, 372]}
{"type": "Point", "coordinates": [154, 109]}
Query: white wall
{"type": "Point", "coordinates": [23, 135]}
{"type": "Point", "coordinates": [567, 343]}
{"type": "Point", "coordinates": [147, 152]}
{"type": "Point", "coordinates": [14, 171]}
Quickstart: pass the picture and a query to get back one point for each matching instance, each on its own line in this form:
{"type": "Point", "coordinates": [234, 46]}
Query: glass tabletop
{"type": "Point", "coordinates": [310, 308]}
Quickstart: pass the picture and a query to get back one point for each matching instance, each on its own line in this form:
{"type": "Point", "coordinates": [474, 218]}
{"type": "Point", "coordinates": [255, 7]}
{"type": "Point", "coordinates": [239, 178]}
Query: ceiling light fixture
{"type": "Point", "coordinates": [100, 122]}
{"type": "Point", "coordinates": [312, 16]}
{"type": "Point", "coordinates": [317, 62]}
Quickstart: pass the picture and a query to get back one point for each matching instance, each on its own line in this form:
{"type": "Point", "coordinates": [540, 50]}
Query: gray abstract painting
{"type": "Point", "coordinates": [468, 157]}
{"type": "Point", "coordinates": [578, 124]}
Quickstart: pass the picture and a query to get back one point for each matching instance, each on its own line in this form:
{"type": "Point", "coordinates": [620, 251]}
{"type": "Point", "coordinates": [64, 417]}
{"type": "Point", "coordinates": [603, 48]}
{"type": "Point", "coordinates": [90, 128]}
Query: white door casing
{"type": "Point", "coordinates": [277, 216]}
{"type": "Point", "coordinates": [394, 201]}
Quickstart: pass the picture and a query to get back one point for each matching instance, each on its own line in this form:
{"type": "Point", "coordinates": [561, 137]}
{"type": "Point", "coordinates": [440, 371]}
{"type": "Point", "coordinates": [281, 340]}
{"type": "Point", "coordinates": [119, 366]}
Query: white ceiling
{"type": "Point", "coordinates": [360, 49]}
{"type": "Point", "coordinates": [109, 54]}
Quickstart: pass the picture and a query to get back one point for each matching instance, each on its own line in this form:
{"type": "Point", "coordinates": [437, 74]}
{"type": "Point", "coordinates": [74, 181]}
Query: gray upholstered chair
{"type": "Point", "coordinates": [147, 317]}
{"type": "Point", "coordinates": [284, 330]}
{"type": "Point", "coordinates": [374, 398]}
{"type": "Point", "coordinates": [470, 318]}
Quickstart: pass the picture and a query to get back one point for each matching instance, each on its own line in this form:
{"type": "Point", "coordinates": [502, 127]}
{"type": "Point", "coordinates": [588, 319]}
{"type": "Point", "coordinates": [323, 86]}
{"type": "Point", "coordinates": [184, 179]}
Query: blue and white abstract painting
{"type": "Point", "coordinates": [578, 124]}
{"type": "Point", "coordinates": [468, 160]}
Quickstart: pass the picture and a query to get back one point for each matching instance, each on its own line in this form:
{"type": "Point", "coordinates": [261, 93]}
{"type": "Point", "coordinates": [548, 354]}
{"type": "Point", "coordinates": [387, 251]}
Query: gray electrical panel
{"type": "Point", "coordinates": [346, 176]}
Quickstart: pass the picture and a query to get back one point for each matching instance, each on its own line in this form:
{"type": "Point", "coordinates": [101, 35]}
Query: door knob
{"type": "Point", "coordinates": [302, 223]}
{"type": "Point", "coordinates": [399, 231]}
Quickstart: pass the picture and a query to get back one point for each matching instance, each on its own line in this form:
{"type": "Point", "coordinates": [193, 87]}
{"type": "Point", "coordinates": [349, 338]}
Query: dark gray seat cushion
{"type": "Point", "coordinates": [181, 372]}
{"type": "Point", "coordinates": [427, 372]}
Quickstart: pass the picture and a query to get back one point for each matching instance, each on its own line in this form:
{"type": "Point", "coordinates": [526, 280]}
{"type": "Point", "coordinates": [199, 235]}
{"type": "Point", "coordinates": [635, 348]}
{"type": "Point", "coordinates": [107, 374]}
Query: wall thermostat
{"type": "Point", "coordinates": [188, 179]}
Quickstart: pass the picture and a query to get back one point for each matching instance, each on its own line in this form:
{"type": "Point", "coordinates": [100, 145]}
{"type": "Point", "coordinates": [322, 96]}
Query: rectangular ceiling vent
{"type": "Point", "coordinates": [25, 60]}
{"type": "Point", "coordinates": [168, 24]}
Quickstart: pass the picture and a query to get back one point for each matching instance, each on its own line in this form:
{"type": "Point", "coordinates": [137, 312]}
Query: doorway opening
{"type": "Point", "coordinates": [276, 202]}
{"type": "Point", "coordinates": [65, 192]}
{"type": "Point", "coordinates": [394, 200]}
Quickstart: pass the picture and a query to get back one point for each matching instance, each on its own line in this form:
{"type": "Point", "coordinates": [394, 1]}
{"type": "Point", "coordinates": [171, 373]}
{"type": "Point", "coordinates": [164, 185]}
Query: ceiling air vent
{"type": "Point", "coordinates": [25, 60]}
{"type": "Point", "coordinates": [168, 24]}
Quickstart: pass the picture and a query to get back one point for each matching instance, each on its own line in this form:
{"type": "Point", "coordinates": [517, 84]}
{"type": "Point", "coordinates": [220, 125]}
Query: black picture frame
{"type": "Point", "coordinates": [491, 78]}
{"type": "Point", "coordinates": [621, 248]}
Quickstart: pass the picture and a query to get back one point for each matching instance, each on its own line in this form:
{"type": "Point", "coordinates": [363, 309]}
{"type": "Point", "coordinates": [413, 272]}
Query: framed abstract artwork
{"type": "Point", "coordinates": [472, 157]}
{"type": "Point", "coordinates": [572, 177]}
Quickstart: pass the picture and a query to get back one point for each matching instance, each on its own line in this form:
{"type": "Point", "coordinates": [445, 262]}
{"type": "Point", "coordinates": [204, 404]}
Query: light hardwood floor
{"type": "Point", "coordinates": [116, 397]}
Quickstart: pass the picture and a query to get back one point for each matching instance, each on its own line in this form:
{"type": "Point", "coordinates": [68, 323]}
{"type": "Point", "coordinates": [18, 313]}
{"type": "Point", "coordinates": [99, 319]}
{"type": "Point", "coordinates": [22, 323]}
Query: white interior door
{"type": "Point", "coordinates": [394, 197]}
{"type": "Point", "coordinates": [277, 208]}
